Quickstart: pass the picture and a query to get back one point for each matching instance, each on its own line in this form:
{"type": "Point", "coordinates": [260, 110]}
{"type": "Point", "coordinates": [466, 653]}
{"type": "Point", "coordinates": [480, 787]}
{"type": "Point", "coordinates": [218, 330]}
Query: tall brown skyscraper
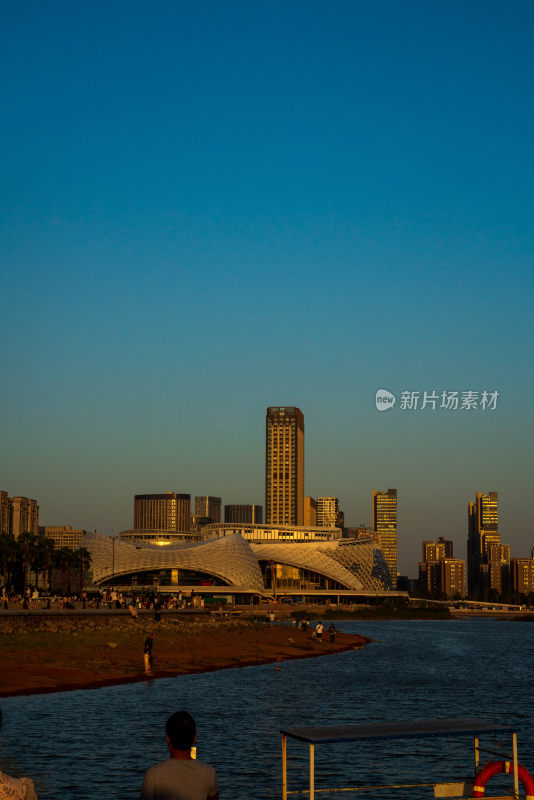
{"type": "Point", "coordinates": [384, 515]}
{"type": "Point", "coordinates": [163, 512]}
{"type": "Point", "coordinates": [483, 532]}
{"type": "Point", "coordinates": [284, 466]}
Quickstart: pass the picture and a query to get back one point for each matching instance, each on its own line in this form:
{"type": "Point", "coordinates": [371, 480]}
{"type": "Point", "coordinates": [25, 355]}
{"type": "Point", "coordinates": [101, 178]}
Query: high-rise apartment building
{"type": "Point", "coordinates": [384, 516]}
{"type": "Point", "coordinates": [440, 574]}
{"type": "Point", "coordinates": [4, 512]}
{"type": "Point", "coordinates": [208, 507]}
{"type": "Point", "coordinates": [452, 577]}
{"type": "Point", "coordinates": [284, 466]}
{"type": "Point", "coordinates": [430, 577]}
{"type": "Point", "coordinates": [62, 535]}
{"type": "Point", "coordinates": [162, 512]}
{"type": "Point", "coordinates": [310, 512]}
{"type": "Point", "coordinates": [522, 576]}
{"type": "Point", "coordinates": [23, 516]}
{"type": "Point", "coordinates": [327, 512]}
{"type": "Point", "coordinates": [435, 551]}
{"type": "Point", "coordinates": [487, 562]}
{"type": "Point", "coordinates": [244, 514]}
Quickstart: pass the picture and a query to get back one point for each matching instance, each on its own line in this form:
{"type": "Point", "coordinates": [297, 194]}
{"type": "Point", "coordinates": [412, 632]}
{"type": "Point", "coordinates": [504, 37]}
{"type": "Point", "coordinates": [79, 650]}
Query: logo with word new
{"type": "Point", "coordinates": [384, 400]}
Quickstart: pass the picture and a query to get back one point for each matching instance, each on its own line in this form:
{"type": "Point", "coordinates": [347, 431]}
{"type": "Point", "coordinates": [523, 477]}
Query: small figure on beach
{"type": "Point", "coordinates": [332, 632]}
{"type": "Point", "coordinates": [319, 632]}
{"type": "Point", "coordinates": [181, 776]}
{"type": "Point", "coordinates": [147, 653]}
{"type": "Point", "coordinates": [271, 619]}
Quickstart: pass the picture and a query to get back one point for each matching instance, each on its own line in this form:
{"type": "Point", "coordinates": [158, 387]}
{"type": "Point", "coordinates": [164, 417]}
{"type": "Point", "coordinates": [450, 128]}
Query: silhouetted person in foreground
{"type": "Point", "coordinates": [16, 788]}
{"type": "Point", "coordinates": [180, 777]}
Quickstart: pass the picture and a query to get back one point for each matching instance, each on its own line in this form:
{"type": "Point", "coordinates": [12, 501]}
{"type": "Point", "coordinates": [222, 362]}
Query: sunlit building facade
{"type": "Point", "coordinates": [168, 511]}
{"type": "Point", "coordinates": [452, 578]}
{"type": "Point", "coordinates": [264, 532]}
{"type": "Point", "coordinates": [384, 517]}
{"type": "Point", "coordinates": [435, 551]}
{"type": "Point", "coordinates": [487, 559]}
{"type": "Point", "coordinates": [208, 507]}
{"type": "Point", "coordinates": [250, 514]}
{"type": "Point", "coordinates": [310, 512]}
{"type": "Point", "coordinates": [63, 535]}
{"type": "Point", "coordinates": [522, 570]}
{"type": "Point", "coordinates": [327, 512]}
{"type": "Point", "coordinates": [23, 516]}
{"type": "Point", "coordinates": [284, 466]}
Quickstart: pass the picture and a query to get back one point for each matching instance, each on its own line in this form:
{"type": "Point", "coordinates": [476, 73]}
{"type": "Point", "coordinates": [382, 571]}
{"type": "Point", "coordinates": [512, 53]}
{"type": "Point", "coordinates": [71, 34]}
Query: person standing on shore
{"type": "Point", "coordinates": [319, 632]}
{"type": "Point", "coordinates": [180, 777]}
{"type": "Point", "coordinates": [332, 631]}
{"type": "Point", "coordinates": [147, 653]}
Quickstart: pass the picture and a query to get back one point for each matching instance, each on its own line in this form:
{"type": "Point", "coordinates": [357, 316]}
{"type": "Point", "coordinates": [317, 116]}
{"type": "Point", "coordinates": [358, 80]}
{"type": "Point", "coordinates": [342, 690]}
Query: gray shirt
{"type": "Point", "coordinates": [179, 779]}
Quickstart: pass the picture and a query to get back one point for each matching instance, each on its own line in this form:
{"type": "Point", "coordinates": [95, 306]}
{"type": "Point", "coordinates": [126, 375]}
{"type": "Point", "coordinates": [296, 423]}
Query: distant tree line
{"type": "Point", "coordinates": [30, 556]}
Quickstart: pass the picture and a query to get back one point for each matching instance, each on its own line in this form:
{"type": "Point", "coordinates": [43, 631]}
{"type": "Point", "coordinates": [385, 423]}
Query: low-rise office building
{"type": "Point", "coordinates": [63, 535]}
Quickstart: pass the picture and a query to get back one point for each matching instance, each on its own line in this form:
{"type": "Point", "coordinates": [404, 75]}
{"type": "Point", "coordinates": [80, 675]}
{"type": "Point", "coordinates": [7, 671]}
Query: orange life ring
{"type": "Point", "coordinates": [507, 767]}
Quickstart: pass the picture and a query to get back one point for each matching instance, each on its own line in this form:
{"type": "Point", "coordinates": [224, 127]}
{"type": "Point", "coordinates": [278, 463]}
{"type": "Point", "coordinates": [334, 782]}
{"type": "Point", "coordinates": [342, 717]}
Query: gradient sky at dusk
{"type": "Point", "coordinates": [210, 208]}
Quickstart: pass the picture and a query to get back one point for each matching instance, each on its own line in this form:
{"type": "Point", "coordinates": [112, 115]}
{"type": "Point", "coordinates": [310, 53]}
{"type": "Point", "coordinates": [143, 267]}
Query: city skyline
{"type": "Point", "coordinates": [160, 511]}
{"type": "Point", "coordinates": [211, 210]}
{"type": "Point", "coordinates": [285, 431]}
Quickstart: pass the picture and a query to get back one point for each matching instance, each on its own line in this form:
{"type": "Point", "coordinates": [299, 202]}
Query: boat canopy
{"type": "Point", "coordinates": [396, 730]}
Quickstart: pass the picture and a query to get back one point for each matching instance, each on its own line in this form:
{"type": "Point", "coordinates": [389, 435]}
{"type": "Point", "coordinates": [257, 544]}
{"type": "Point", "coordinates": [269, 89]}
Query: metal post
{"type": "Point", "coordinates": [284, 767]}
{"type": "Point", "coordinates": [477, 756]}
{"type": "Point", "coordinates": [516, 771]}
{"type": "Point", "coordinates": [312, 773]}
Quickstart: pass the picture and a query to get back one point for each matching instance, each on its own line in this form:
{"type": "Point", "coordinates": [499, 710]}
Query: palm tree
{"type": "Point", "coordinates": [27, 544]}
{"type": "Point", "coordinates": [44, 558]}
{"type": "Point", "coordinates": [83, 562]}
{"type": "Point", "coordinates": [8, 555]}
{"type": "Point", "coordinates": [63, 560]}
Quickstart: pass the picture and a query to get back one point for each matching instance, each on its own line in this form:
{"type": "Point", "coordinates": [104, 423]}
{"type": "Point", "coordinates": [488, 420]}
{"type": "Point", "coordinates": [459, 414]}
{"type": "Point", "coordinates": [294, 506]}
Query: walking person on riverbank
{"type": "Point", "coordinates": [180, 777]}
{"type": "Point", "coordinates": [147, 653]}
{"type": "Point", "coordinates": [319, 632]}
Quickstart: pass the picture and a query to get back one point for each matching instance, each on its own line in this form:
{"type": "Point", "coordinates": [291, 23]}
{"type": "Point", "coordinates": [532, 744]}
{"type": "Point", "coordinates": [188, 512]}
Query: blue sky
{"type": "Point", "coordinates": [210, 208]}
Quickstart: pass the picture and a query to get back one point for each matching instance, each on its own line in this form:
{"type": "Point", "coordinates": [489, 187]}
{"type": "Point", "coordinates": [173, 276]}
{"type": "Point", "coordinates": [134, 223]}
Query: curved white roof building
{"type": "Point", "coordinates": [229, 561]}
{"type": "Point", "coordinates": [226, 559]}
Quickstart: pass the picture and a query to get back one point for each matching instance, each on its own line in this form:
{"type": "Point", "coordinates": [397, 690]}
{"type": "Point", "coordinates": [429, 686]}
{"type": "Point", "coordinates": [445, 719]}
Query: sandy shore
{"type": "Point", "coordinates": [34, 663]}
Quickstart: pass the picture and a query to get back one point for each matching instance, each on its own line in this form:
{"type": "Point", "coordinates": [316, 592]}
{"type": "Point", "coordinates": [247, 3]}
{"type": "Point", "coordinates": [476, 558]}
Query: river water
{"type": "Point", "coordinates": [94, 744]}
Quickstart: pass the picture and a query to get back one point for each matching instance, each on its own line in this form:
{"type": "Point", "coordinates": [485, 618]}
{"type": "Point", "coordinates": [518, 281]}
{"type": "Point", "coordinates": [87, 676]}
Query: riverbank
{"type": "Point", "coordinates": [58, 660]}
